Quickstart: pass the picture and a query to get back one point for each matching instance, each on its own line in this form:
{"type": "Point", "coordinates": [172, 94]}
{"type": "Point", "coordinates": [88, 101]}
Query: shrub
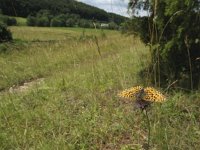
{"type": "Point", "coordinates": [62, 20]}
{"type": "Point", "coordinates": [57, 22]}
{"type": "Point", "coordinates": [31, 21]}
{"type": "Point", "coordinates": [43, 21]}
{"type": "Point", "coordinates": [84, 23]}
{"type": "Point", "coordinates": [98, 25]}
{"type": "Point", "coordinates": [3, 19]}
{"type": "Point", "coordinates": [70, 22]}
{"type": "Point", "coordinates": [11, 21]}
{"type": "Point", "coordinates": [112, 26]}
{"type": "Point", "coordinates": [8, 20]}
{"type": "Point", "coordinates": [5, 34]}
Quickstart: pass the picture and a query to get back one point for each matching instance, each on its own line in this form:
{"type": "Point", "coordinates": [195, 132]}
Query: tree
{"type": "Point", "coordinates": [172, 30]}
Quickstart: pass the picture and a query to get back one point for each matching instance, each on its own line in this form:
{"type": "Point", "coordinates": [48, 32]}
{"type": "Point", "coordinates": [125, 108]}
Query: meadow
{"type": "Point", "coordinates": [59, 91]}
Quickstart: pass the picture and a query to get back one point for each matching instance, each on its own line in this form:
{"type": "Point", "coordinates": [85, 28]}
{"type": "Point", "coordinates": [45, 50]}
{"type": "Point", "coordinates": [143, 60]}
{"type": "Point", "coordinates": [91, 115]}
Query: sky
{"type": "Point", "coordinates": [114, 6]}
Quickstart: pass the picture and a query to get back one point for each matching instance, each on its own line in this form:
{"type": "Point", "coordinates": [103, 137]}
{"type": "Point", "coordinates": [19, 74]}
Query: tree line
{"type": "Point", "coordinates": [58, 9]}
{"type": "Point", "coordinates": [45, 19]}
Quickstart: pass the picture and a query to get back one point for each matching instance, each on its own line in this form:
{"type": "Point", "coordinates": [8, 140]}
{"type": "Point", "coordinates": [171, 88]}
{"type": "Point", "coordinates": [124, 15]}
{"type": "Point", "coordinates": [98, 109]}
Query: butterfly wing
{"type": "Point", "coordinates": [131, 92]}
{"type": "Point", "coordinates": [153, 95]}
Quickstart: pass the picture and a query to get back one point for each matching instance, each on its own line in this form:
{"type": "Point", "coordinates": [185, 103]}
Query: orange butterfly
{"type": "Point", "coordinates": [148, 94]}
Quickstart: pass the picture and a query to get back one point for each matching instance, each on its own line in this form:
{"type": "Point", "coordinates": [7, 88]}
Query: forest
{"type": "Point", "coordinates": [47, 11]}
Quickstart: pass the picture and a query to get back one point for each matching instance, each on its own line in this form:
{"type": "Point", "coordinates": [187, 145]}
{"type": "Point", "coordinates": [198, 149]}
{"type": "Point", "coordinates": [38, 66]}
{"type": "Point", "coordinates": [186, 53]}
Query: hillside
{"type": "Point", "coordinates": [24, 8]}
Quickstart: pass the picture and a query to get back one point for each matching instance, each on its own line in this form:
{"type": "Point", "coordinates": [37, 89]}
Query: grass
{"type": "Point", "coordinates": [76, 106]}
{"type": "Point", "coordinates": [21, 21]}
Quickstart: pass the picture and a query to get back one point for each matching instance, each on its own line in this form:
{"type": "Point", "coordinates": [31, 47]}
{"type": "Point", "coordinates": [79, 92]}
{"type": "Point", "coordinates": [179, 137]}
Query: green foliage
{"type": "Point", "coordinates": [56, 22]}
{"type": "Point", "coordinates": [173, 32]}
{"type": "Point", "coordinates": [117, 18]}
{"type": "Point", "coordinates": [70, 22]}
{"type": "Point", "coordinates": [10, 21]}
{"type": "Point", "coordinates": [5, 34]}
{"type": "Point", "coordinates": [112, 26]}
{"type": "Point", "coordinates": [43, 21]}
{"type": "Point", "coordinates": [84, 23]}
{"type": "Point", "coordinates": [31, 21]}
{"type": "Point", "coordinates": [3, 19]}
{"type": "Point", "coordinates": [61, 13]}
{"type": "Point", "coordinates": [24, 8]}
{"type": "Point", "coordinates": [62, 20]}
{"type": "Point", "coordinates": [43, 18]}
{"type": "Point", "coordinates": [21, 21]}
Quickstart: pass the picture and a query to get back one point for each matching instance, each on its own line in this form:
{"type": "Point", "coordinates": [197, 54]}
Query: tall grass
{"type": "Point", "coordinates": [76, 106]}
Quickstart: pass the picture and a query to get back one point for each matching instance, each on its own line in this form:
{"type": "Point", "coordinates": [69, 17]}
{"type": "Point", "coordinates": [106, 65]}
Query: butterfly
{"type": "Point", "coordinates": [147, 94]}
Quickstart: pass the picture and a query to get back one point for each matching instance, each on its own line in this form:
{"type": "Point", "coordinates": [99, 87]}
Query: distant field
{"type": "Point", "coordinates": [41, 51]}
{"type": "Point", "coordinates": [57, 33]}
{"type": "Point", "coordinates": [59, 91]}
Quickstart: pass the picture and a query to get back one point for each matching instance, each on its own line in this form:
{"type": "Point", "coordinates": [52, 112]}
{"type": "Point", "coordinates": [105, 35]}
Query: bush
{"type": "Point", "coordinates": [98, 25]}
{"type": "Point", "coordinates": [70, 22]}
{"type": "Point", "coordinates": [58, 21]}
{"type": "Point", "coordinates": [43, 21]}
{"type": "Point", "coordinates": [64, 20]}
{"type": "Point", "coordinates": [8, 20]}
{"type": "Point", "coordinates": [55, 22]}
{"type": "Point", "coordinates": [31, 21]}
{"type": "Point", "coordinates": [11, 21]}
{"type": "Point", "coordinates": [3, 19]}
{"type": "Point", "coordinates": [112, 26]}
{"type": "Point", "coordinates": [84, 23]}
{"type": "Point", "coordinates": [5, 34]}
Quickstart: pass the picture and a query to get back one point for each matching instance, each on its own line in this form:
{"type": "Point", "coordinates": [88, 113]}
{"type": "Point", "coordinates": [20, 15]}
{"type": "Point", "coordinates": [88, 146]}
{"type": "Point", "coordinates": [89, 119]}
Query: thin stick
{"type": "Point", "coordinates": [97, 43]}
{"type": "Point", "coordinates": [171, 85]}
{"type": "Point", "coordinates": [189, 61]}
{"type": "Point", "coordinates": [149, 129]}
{"type": "Point", "coordinates": [96, 40]}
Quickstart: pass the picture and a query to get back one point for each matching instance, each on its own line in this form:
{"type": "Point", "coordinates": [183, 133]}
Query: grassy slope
{"type": "Point", "coordinates": [21, 21]}
{"type": "Point", "coordinates": [76, 106]}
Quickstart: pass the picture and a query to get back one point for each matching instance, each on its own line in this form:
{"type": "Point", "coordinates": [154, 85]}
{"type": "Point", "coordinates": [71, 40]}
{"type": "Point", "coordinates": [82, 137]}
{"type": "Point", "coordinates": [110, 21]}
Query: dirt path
{"type": "Point", "coordinates": [26, 85]}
